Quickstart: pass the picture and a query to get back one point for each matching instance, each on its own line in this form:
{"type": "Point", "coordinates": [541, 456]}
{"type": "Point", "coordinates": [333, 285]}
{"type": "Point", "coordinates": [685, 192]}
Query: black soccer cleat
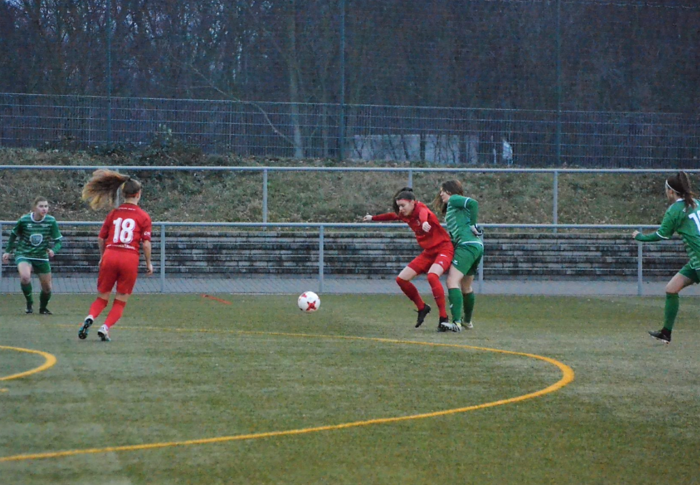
{"type": "Point", "coordinates": [83, 332]}
{"type": "Point", "coordinates": [29, 309]}
{"type": "Point", "coordinates": [662, 335]}
{"type": "Point", "coordinates": [45, 311]}
{"type": "Point", "coordinates": [422, 314]}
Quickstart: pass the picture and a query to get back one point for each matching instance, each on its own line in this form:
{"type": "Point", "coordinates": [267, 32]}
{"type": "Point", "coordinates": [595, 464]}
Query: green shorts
{"type": "Point", "coordinates": [467, 258]}
{"type": "Point", "coordinates": [40, 267]}
{"type": "Point", "coordinates": [690, 273]}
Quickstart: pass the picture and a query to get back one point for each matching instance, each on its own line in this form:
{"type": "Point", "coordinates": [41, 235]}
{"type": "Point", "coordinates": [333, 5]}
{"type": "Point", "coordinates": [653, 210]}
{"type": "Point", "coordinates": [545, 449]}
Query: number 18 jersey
{"type": "Point", "coordinates": [125, 227]}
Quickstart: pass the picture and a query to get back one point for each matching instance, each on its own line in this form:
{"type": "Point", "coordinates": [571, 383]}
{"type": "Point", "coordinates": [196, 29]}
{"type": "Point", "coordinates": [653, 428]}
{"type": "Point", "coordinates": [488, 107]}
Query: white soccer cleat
{"type": "Point", "coordinates": [103, 333]}
{"type": "Point", "coordinates": [468, 325]}
{"type": "Point", "coordinates": [446, 326]}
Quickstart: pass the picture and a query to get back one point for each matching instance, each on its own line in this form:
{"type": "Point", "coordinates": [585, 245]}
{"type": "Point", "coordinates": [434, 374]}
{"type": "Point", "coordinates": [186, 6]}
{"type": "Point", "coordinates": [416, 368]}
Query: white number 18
{"type": "Point", "coordinates": [123, 230]}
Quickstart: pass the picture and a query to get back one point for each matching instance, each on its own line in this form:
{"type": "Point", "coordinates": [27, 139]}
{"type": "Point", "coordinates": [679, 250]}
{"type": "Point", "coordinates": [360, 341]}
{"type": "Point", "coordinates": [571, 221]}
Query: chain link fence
{"type": "Point", "coordinates": [434, 135]}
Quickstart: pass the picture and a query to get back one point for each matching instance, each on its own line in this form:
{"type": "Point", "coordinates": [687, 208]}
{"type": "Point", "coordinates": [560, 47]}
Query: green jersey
{"type": "Point", "coordinates": [30, 239]}
{"type": "Point", "coordinates": [684, 221]}
{"type": "Point", "coordinates": [461, 215]}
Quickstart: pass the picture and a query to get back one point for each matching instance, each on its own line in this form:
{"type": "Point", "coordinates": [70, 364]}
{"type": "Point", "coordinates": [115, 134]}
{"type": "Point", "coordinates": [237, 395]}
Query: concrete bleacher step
{"type": "Point", "coordinates": [376, 253]}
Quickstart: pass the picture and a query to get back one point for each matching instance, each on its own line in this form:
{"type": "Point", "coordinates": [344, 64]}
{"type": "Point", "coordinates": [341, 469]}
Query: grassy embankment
{"type": "Point", "coordinates": [323, 196]}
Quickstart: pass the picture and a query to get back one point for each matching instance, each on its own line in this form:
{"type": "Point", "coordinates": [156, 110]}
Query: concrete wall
{"type": "Point", "coordinates": [381, 254]}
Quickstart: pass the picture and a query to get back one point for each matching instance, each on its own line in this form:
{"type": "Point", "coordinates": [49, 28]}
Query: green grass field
{"type": "Point", "coordinates": [194, 390]}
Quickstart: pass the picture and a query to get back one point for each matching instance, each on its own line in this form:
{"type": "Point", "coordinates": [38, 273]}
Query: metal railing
{"type": "Point", "coordinates": [321, 227]}
{"type": "Point", "coordinates": [409, 171]}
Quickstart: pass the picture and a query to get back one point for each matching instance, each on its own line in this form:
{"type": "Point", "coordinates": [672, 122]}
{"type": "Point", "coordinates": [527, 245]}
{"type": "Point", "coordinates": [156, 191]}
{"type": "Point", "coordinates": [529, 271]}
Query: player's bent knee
{"type": "Point", "coordinates": [453, 282]}
{"type": "Point", "coordinates": [678, 283]}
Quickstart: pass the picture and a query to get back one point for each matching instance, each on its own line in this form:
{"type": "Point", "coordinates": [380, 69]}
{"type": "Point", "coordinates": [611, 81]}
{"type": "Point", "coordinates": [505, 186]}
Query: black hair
{"type": "Point", "coordinates": [405, 193]}
{"type": "Point", "coordinates": [680, 184]}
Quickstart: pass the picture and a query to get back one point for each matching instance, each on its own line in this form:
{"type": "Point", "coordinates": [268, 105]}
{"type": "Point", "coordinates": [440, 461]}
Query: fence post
{"type": "Point", "coordinates": [640, 268]}
{"type": "Point", "coordinates": [410, 178]}
{"type": "Point", "coordinates": [1, 246]}
{"type": "Point", "coordinates": [341, 120]}
{"type": "Point", "coordinates": [481, 274]}
{"type": "Point", "coordinates": [264, 207]}
{"type": "Point", "coordinates": [555, 200]}
{"type": "Point", "coordinates": [320, 258]}
{"type": "Point", "coordinates": [162, 257]}
{"type": "Point", "coordinates": [118, 195]}
{"type": "Point", "coordinates": [108, 29]}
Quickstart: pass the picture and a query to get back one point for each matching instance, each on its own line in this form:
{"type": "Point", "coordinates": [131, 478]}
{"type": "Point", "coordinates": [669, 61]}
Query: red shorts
{"type": "Point", "coordinates": [441, 255]}
{"type": "Point", "coordinates": [120, 267]}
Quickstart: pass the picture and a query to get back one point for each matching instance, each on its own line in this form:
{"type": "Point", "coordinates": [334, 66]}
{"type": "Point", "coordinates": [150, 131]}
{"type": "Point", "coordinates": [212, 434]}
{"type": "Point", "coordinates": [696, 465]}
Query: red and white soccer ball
{"type": "Point", "coordinates": [309, 302]}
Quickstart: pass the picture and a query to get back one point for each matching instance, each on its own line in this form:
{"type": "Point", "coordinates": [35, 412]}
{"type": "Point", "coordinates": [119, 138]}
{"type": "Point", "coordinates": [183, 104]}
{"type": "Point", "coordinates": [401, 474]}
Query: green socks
{"type": "Point", "coordinates": [461, 301]}
{"type": "Point", "coordinates": [27, 290]}
{"type": "Point", "coordinates": [44, 300]}
{"type": "Point", "coordinates": [456, 303]}
{"type": "Point", "coordinates": [469, 300]}
{"type": "Point", "coordinates": [43, 297]}
{"type": "Point", "coordinates": [670, 310]}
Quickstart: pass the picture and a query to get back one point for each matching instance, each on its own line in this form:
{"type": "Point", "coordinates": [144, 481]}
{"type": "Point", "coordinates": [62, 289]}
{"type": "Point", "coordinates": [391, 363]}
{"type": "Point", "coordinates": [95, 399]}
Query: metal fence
{"type": "Point", "coordinates": [409, 171]}
{"type": "Point", "coordinates": [435, 135]}
{"type": "Point", "coordinates": [321, 227]}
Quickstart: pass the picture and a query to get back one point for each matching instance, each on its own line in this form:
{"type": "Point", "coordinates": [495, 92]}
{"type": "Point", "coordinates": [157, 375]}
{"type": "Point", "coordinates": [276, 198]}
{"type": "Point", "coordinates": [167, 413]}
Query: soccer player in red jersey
{"type": "Point", "coordinates": [437, 250]}
{"type": "Point", "coordinates": [124, 229]}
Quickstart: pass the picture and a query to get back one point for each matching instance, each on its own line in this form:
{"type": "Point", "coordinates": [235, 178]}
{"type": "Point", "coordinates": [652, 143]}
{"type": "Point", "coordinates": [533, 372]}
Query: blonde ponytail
{"type": "Point", "coordinates": [101, 189]}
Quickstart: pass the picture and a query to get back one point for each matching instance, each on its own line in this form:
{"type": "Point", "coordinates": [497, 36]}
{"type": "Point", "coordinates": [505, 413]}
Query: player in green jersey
{"type": "Point", "coordinates": [461, 214]}
{"type": "Point", "coordinates": [682, 217]}
{"type": "Point", "coordinates": [30, 240]}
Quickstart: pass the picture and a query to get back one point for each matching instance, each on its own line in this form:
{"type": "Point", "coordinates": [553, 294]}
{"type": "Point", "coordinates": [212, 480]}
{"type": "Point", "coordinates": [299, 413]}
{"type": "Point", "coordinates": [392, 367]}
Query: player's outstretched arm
{"type": "Point", "coordinates": [389, 216]}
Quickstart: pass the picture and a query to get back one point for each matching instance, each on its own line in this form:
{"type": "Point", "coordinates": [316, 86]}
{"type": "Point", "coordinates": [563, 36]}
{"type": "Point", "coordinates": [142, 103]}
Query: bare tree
{"type": "Point", "coordinates": [479, 53]}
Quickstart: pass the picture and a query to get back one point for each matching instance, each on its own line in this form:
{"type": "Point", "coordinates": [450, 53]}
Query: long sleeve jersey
{"type": "Point", "coordinates": [427, 240]}
{"type": "Point", "coordinates": [462, 213]}
{"type": "Point", "coordinates": [30, 238]}
{"type": "Point", "coordinates": [684, 221]}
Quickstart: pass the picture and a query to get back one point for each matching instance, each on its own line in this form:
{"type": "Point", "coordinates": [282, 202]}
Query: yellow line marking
{"type": "Point", "coordinates": [567, 377]}
{"type": "Point", "coordinates": [50, 362]}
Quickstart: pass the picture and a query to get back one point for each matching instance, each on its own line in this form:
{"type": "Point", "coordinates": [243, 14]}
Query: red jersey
{"type": "Point", "coordinates": [427, 240]}
{"type": "Point", "coordinates": [125, 227]}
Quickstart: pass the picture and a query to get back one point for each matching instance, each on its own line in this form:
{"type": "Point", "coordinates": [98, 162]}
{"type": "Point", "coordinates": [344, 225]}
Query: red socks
{"type": "Point", "coordinates": [411, 292]}
{"type": "Point", "coordinates": [115, 313]}
{"type": "Point", "coordinates": [97, 306]}
{"type": "Point", "coordinates": [438, 293]}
